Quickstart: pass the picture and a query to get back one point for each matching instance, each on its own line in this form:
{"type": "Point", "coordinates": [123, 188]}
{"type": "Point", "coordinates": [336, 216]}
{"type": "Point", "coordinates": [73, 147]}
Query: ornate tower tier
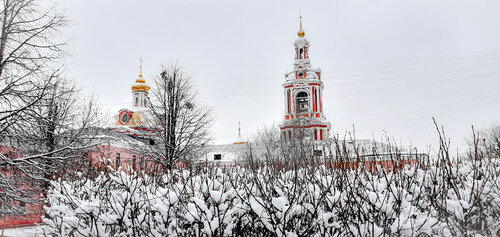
{"type": "Point", "coordinates": [140, 91]}
{"type": "Point", "coordinates": [303, 91]}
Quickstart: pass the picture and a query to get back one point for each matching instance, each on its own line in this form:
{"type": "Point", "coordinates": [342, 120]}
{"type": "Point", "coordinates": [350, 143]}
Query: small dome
{"type": "Point", "coordinates": [140, 80]}
{"type": "Point", "coordinates": [140, 85]}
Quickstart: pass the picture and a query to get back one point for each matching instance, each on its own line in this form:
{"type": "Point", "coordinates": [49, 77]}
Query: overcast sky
{"type": "Point", "coordinates": [388, 66]}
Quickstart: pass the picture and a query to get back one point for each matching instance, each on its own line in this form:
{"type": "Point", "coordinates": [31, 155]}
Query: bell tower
{"type": "Point", "coordinates": [140, 91]}
{"type": "Point", "coordinates": [303, 91]}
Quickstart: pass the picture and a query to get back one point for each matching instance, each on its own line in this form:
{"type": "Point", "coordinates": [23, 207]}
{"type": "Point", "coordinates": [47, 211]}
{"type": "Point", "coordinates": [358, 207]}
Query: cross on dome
{"type": "Point", "coordinates": [140, 67]}
{"type": "Point", "coordinates": [301, 32]}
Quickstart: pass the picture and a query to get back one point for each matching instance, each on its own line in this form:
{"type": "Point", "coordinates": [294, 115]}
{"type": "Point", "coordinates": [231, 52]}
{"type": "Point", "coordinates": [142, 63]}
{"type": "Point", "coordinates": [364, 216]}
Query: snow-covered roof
{"type": "Point", "coordinates": [369, 146]}
{"type": "Point", "coordinates": [227, 148]}
{"type": "Point", "coordinates": [113, 138]}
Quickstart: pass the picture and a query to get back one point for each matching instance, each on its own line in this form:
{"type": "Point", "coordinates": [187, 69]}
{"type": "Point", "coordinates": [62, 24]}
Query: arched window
{"type": "Point", "coordinates": [302, 103]}
{"type": "Point", "coordinates": [117, 161]}
{"type": "Point", "coordinates": [137, 100]}
{"type": "Point", "coordinates": [301, 53]}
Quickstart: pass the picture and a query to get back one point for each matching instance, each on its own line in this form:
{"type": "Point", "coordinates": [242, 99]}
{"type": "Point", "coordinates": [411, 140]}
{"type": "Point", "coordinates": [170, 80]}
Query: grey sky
{"type": "Point", "coordinates": [388, 66]}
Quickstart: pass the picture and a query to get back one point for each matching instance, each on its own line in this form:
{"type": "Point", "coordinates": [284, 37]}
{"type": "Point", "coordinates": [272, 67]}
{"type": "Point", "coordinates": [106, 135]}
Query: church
{"type": "Point", "coordinates": [303, 90]}
{"type": "Point", "coordinates": [303, 106]}
{"type": "Point", "coordinates": [134, 121]}
{"type": "Point", "coordinates": [303, 118]}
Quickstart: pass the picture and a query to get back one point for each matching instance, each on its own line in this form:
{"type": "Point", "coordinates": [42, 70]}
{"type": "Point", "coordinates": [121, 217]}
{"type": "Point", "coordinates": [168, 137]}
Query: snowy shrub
{"type": "Point", "coordinates": [461, 199]}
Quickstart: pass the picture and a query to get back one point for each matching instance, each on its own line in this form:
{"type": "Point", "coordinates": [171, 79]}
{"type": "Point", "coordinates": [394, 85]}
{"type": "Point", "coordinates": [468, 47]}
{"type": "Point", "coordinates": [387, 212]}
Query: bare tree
{"type": "Point", "coordinates": [285, 148]}
{"type": "Point", "coordinates": [298, 145]}
{"type": "Point", "coordinates": [43, 122]}
{"type": "Point", "coordinates": [44, 142]}
{"type": "Point", "coordinates": [267, 144]}
{"type": "Point", "coordinates": [491, 139]}
{"type": "Point", "coordinates": [29, 55]}
{"type": "Point", "coordinates": [61, 119]}
{"type": "Point", "coordinates": [179, 124]}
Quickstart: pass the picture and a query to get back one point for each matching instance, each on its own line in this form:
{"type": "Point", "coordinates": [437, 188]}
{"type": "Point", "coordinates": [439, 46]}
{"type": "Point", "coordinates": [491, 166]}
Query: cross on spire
{"type": "Point", "coordinates": [239, 130]}
{"type": "Point", "coordinates": [301, 32]}
{"type": "Point", "coordinates": [140, 67]}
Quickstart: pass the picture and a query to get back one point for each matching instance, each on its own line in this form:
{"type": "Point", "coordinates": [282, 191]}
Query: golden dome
{"type": "Point", "coordinates": [301, 32]}
{"type": "Point", "coordinates": [140, 87]}
{"type": "Point", "coordinates": [140, 83]}
{"type": "Point", "coordinates": [140, 80]}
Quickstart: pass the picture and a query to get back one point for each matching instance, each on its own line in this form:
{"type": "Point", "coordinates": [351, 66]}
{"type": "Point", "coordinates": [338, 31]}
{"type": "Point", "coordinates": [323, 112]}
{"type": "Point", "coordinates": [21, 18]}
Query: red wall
{"type": "Point", "coordinates": [97, 154]}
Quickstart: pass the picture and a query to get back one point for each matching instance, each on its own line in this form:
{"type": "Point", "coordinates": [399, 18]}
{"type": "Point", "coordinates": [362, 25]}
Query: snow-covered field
{"type": "Point", "coordinates": [312, 201]}
{"type": "Point", "coordinates": [32, 231]}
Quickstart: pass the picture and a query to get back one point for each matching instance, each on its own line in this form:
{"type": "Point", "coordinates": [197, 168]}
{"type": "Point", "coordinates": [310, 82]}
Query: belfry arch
{"type": "Point", "coordinates": [302, 102]}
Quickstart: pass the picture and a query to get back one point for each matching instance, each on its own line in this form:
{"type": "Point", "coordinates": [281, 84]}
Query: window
{"type": "Point", "coordinates": [117, 161]}
{"type": "Point", "coordinates": [143, 162]}
{"type": "Point", "coordinates": [318, 152]}
{"type": "Point", "coordinates": [301, 53]}
{"type": "Point", "coordinates": [288, 101]}
{"type": "Point", "coordinates": [217, 156]}
{"type": "Point", "coordinates": [134, 161]}
{"type": "Point", "coordinates": [136, 100]}
{"type": "Point", "coordinates": [124, 118]}
{"type": "Point", "coordinates": [315, 100]}
{"type": "Point", "coordinates": [302, 103]}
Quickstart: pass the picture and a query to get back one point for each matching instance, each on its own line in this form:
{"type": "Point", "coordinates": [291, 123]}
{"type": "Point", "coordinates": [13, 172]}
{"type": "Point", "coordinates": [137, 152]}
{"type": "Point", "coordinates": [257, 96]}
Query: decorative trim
{"type": "Point", "coordinates": [308, 126]}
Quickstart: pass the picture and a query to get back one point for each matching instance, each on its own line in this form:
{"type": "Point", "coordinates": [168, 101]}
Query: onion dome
{"type": "Point", "coordinates": [140, 84]}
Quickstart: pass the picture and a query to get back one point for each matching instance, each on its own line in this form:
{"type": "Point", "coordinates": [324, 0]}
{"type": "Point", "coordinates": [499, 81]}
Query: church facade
{"type": "Point", "coordinates": [303, 91]}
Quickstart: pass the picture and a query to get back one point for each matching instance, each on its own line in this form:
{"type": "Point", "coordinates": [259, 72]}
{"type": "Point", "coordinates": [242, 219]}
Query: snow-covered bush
{"type": "Point", "coordinates": [460, 199]}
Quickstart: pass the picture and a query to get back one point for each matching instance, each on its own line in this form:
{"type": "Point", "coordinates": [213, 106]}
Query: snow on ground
{"type": "Point", "coordinates": [307, 201]}
{"type": "Point", "coordinates": [31, 231]}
